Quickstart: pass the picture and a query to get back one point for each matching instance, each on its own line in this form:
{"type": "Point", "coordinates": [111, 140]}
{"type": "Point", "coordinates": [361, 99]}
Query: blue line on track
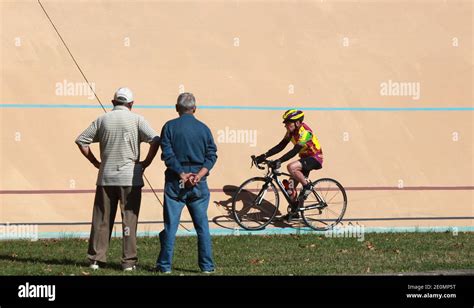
{"type": "Point", "coordinates": [221, 107]}
{"type": "Point", "coordinates": [268, 231]}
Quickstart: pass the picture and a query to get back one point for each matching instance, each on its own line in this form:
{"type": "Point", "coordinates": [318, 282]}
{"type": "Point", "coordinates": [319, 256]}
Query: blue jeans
{"type": "Point", "coordinates": [197, 201]}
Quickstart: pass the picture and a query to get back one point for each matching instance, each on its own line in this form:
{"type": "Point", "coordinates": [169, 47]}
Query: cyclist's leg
{"type": "Point", "coordinates": [301, 168]}
{"type": "Point", "coordinates": [294, 184]}
{"type": "Point", "coordinates": [308, 164]}
{"type": "Point", "coordinates": [298, 176]}
{"type": "Point", "coordinates": [296, 170]}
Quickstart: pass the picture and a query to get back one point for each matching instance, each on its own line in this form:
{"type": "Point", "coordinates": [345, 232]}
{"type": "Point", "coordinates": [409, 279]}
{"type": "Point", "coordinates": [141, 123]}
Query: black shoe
{"type": "Point", "coordinates": [291, 216]}
{"type": "Point", "coordinates": [305, 191]}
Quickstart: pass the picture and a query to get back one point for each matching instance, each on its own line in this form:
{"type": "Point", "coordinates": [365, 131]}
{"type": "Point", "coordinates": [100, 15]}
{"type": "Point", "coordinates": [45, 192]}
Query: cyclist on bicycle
{"type": "Point", "coordinates": [306, 144]}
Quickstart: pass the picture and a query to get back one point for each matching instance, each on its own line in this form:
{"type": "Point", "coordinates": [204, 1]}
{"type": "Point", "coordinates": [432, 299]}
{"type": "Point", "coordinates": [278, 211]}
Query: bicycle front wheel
{"type": "Point", "coordinates": [326, 205]}
{"type": "Point", "coordinates": [255, 203]}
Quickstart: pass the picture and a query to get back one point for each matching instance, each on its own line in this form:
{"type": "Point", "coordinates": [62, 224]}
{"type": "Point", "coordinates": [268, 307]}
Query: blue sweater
{"type": "Point", "coordinates": [187, 145]}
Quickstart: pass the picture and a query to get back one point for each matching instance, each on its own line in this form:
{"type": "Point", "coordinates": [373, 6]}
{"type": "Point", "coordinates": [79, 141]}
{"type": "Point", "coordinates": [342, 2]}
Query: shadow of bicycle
{"type": "Point", "coordinates": [263, 212]}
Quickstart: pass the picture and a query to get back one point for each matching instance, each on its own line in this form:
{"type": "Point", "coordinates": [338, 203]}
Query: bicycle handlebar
{"type": "Point", "coordinates": [254, 162]}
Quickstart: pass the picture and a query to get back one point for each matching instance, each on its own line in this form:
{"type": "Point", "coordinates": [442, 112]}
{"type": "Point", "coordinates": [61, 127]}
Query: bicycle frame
{"type": "Point", "coordinates": [273, 176]}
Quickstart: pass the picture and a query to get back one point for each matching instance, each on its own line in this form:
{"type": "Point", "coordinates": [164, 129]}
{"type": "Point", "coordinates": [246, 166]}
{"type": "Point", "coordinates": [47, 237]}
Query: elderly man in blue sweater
{"type": "Point", "coordinates": [189, 153]}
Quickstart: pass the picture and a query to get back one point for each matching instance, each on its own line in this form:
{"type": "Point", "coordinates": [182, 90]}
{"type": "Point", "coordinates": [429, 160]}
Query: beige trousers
{"type": "Point", "coordinates": [103, 218]}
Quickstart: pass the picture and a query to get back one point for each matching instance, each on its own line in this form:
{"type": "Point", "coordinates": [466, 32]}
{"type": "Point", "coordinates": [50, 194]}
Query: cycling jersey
{"type": "Point", "coordinates": [305, 137]}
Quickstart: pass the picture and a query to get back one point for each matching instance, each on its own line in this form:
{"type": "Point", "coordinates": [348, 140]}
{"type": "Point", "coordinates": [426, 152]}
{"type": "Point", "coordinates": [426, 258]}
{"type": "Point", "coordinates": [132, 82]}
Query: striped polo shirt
{"type": "Point", "coordinates": [119, 134]}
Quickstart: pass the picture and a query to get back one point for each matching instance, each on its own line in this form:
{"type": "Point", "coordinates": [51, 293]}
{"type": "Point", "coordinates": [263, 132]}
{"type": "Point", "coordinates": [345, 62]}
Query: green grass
{"type": "Point", "coordinates": [256, 255]}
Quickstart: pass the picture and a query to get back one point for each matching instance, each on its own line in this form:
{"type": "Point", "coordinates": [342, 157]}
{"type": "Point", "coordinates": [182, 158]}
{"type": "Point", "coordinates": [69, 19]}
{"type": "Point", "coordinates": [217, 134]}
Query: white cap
{"type": "Point", "coordinates": [123, 95]}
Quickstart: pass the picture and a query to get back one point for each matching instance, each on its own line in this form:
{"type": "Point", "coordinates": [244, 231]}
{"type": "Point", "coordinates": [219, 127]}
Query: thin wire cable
{"type": "Point", "coordinates": [73, 59]}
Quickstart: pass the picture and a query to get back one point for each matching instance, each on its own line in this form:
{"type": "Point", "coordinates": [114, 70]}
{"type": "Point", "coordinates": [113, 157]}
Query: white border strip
{"type": "Point", "coordinates": [269, 231]}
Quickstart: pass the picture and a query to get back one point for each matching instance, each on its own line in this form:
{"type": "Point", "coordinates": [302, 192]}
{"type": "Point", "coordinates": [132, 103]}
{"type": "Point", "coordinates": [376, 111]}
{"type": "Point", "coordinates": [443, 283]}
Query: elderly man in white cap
{"type": "Point", "coordinates": [119, 134]}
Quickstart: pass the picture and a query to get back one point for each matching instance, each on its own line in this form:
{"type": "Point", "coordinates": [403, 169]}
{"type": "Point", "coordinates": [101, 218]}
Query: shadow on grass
{"type": "Point", "coordinates": [186, 270]}
{"type": "Point", "coordinates": [55, 261]}
{"type": "Point", "coordinates": [154, 271]}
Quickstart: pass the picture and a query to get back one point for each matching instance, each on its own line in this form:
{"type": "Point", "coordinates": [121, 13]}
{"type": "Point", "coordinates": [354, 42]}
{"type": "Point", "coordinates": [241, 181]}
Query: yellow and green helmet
{"type": "Point", "coordinates": [293, 115]}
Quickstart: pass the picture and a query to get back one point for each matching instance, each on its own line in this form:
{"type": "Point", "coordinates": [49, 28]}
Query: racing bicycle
{"type": "Point", "coordinates": [255, 203]}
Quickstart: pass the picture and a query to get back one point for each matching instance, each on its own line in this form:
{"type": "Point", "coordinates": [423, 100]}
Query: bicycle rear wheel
{"type": "Point", "coordinates": [326, 205]}
{"type": "Point", "coordinates": [255, 203]}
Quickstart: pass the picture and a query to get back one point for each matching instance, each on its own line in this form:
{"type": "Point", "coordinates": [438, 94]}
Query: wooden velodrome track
{"type": "Point", "coordinates": [406, 159]}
